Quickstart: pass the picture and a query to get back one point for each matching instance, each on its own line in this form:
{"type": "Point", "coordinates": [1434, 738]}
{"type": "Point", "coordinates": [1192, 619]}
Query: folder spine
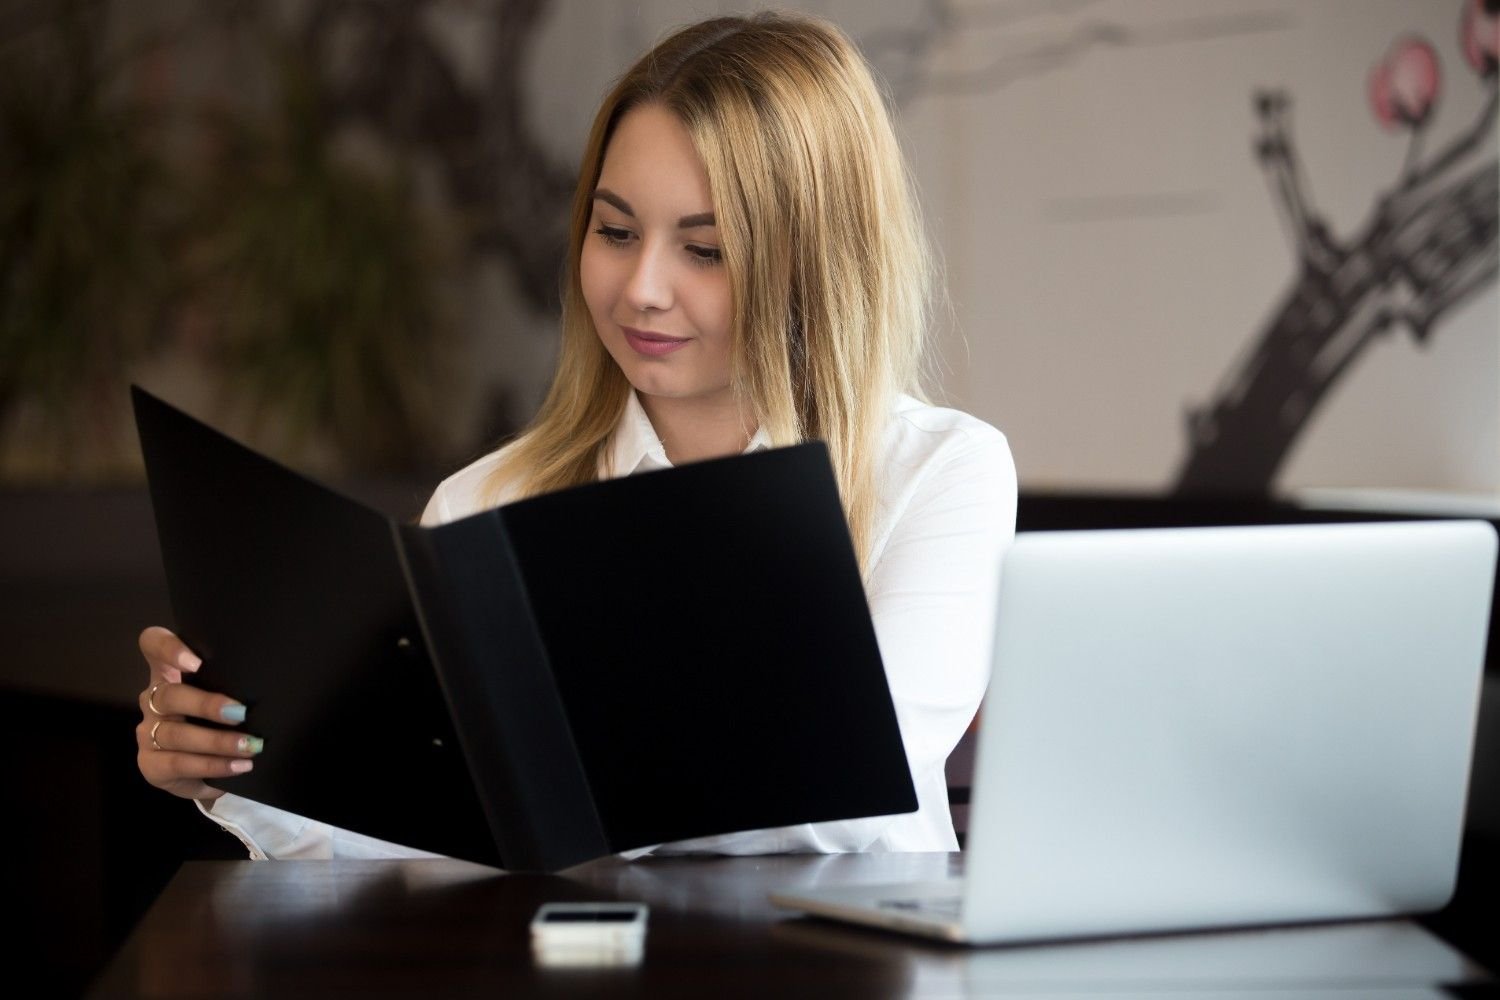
{"type": "Point", "coordinates": [494, 672]}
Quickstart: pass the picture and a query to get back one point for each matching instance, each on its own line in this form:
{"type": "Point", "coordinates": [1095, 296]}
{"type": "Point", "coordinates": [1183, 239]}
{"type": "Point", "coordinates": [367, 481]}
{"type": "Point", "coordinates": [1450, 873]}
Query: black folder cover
{"type": "Point", "coordinates": [670, 655]}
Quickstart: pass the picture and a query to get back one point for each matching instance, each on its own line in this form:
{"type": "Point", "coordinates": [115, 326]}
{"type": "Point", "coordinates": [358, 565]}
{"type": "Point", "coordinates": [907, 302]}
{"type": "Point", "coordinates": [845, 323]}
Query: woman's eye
{"type": "Point", "coordinates": [612, 236]}
{"type": "Point", "coordinates": [706, 256]}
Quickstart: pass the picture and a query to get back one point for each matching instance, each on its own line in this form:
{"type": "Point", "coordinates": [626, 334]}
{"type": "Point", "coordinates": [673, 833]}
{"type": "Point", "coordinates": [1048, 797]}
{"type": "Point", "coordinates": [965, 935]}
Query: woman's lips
{"type": "Point", "coordinates": [652, 344]}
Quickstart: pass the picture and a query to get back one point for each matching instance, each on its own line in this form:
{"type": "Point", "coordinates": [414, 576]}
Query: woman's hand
{"type": "Point", "coordinates": [174, 754]}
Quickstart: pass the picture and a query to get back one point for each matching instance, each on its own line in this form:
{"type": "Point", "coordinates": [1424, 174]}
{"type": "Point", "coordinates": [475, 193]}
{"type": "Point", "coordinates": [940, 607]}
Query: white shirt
{"type": "Point", "coordinates": [947, 511]}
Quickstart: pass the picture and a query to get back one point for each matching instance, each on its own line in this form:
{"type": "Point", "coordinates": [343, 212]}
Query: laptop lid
{"type": "Point", "coordinates": [1206, 727]}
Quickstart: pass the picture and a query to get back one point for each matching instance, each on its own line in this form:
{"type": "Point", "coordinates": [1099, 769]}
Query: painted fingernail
{"type": "Point", "coordinates": [232, 713]}
{"type": "Point", "coordinates": [251, 744]}
{"type": "Point", "coordinates": [188, 660]}
{"type": "Point", "coordinates": [240, 766]}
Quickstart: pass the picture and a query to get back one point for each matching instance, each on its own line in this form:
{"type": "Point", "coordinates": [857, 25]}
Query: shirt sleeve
{"type": "Point", "coordinates": [268, 832]}
{"type": "Point", "coordinates": [934, 593]}
{"type": "Point", "coordinates": [932, 598]}
{"type": "Point", "coordinates": [439, 508]}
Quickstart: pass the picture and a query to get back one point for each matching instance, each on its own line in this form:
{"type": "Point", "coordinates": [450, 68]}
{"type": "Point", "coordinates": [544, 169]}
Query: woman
{"type": "Point", "coordinates": [747, 270]}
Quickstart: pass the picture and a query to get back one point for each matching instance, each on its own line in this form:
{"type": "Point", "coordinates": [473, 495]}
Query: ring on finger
{"type": "Point", "coordinates": [154, 744]}
{"type": "Point", "coordinates": [151, 699]}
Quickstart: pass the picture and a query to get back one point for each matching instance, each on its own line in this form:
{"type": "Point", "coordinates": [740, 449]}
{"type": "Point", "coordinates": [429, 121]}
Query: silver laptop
{"type": "Point", "coordinates": [1192, 728]}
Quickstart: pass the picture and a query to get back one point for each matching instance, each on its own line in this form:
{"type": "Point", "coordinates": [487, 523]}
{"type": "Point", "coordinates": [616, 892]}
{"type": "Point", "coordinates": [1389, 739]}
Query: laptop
{"type": "Point", "coordinates": [1196, 728]}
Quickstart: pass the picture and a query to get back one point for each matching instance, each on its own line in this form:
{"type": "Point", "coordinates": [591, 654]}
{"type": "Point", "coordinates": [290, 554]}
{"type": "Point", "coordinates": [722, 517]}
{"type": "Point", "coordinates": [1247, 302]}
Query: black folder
{"type": "Point", "coordinates": [665, 656]}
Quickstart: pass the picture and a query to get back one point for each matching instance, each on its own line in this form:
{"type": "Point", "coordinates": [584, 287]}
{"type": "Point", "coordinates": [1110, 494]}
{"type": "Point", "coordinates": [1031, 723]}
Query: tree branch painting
{"type": "Point", "coordinates": [1427, 245]}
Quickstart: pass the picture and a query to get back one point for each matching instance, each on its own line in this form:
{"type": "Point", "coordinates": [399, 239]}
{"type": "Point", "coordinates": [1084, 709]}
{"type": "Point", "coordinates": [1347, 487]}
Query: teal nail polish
{"type": "Point", "coordinates": [251, 744]}
{"type": "Point", "coordinates": [232, 713]}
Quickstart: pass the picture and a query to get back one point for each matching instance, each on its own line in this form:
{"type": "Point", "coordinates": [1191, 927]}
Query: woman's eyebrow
{"type": "Point", "coordinates": [609, 197]}
{"type": "Point", "coordinates": [698, 220]}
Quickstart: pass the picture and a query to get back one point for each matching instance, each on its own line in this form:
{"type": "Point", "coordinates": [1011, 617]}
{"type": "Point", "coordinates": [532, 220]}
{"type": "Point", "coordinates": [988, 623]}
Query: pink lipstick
{"type": "Point", "coordinates": [652, 344]}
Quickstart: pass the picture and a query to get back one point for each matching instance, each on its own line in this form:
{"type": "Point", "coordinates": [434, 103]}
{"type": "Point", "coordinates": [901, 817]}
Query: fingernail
{"type": "Point", "coordinates": [232, 713]}
{"type": "Point", "coordinates": [188, 660]}
{"type": "Point", "coordinates": [251, 744]}
{"type": "Point", "coordinates": [240, 766]}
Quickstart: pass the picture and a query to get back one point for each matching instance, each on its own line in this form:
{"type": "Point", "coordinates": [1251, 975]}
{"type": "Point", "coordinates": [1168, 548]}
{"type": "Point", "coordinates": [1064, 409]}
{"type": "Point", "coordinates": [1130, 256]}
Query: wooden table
{"type": "Point", "coordinates": [443, 928]}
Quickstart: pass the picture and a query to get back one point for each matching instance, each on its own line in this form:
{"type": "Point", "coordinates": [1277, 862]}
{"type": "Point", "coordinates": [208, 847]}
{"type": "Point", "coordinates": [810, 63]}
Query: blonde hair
{"type": "Point", "coordinates": [828, 264]}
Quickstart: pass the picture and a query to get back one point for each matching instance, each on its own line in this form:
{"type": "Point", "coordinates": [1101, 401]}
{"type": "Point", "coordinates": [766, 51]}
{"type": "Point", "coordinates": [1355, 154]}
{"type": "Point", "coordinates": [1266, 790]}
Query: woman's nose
{"type": "Point", "coordinates": [649, 286]}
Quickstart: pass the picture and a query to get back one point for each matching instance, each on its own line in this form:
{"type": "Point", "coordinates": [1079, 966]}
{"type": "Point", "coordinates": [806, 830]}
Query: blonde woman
{"type": "Point", "coordinates": [747, 269]}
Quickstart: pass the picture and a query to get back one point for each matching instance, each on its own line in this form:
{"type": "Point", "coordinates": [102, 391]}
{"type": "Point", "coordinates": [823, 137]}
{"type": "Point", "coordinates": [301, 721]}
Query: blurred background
{"type": "Point", "coordinates": [1206, 261]}
{"type": "Point", "coordinates": [1234, 246]}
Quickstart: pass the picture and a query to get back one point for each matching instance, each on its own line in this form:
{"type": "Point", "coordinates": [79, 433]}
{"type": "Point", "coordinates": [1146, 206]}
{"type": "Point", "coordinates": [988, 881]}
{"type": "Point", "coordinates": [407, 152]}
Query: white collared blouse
{"type": "Point", "coordinates": [947, 511]}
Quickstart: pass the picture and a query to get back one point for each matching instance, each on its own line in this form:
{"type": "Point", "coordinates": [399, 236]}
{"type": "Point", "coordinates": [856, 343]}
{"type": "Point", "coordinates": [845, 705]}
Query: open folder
{"type": "Point", "coordinates": [655, 658]}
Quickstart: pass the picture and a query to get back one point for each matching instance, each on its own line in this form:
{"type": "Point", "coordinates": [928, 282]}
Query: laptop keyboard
{"type": "Point", "coordinates": [943, 906]}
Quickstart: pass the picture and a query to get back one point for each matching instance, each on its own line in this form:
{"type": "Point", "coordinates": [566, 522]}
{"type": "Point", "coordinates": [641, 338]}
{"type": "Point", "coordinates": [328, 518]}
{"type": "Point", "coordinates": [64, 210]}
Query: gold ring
{"type": "Point", "coordinates": [154, 744]}
{"type": "Point", "coordinates": [151, 700]}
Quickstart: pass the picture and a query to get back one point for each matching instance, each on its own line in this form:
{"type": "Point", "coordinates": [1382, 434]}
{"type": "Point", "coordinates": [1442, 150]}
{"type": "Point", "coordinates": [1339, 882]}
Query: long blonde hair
{"type": "Point", "coordinates": [828, 264]}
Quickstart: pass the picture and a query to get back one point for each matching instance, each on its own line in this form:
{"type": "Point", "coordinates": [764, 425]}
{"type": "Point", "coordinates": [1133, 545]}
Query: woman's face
{"type": "Point", "coordinates": [651, 269]}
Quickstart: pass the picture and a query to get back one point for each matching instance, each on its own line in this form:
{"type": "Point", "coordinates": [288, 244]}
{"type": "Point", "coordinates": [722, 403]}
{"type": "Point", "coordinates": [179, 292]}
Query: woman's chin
{"type": "Point", "coordinates": [651, 387]}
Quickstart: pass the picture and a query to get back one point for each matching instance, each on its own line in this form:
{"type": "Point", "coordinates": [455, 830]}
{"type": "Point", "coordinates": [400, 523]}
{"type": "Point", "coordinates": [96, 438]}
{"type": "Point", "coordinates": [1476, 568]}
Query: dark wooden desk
{"type": "Point", "coordinates": [441, 928]}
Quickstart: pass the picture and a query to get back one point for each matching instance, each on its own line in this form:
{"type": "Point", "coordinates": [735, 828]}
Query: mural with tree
{"type": "Point", "coordinates": [426, 142]}
{"type": "Point", "coordinates": [1427, 245]}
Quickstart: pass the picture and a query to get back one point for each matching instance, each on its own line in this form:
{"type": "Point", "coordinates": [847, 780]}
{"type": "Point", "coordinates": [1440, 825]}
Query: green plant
{"type": "Point", "coordinates": [84, 236]}
{"type": "Point", "coordinates": [318, 275]}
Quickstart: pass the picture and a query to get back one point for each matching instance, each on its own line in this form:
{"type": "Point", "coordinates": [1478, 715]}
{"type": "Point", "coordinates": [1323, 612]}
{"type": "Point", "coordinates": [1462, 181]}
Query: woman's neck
{"type": "Point", "coordinates": [692, 430]}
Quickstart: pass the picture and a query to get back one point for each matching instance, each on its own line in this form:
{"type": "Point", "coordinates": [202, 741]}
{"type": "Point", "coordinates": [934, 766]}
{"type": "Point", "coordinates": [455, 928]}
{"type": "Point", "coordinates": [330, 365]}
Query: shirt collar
{"type": "Point", "coordinates": [636, 448]}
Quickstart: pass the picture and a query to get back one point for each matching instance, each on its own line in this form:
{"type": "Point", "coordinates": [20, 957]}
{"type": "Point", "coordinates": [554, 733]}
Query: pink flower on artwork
{"type": "Point", "coordinates": [1404, 86]}
{"type": "Point", "coordinates": [1479, 35]}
